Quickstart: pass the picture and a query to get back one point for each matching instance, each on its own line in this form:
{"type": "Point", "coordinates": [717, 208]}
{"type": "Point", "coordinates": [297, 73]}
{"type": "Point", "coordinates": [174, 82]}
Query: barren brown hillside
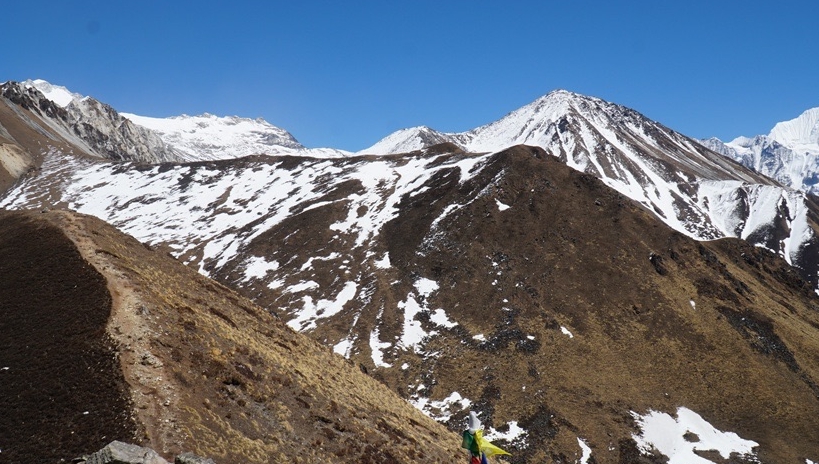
{"type": "Point", "coordinates": [105, 339]}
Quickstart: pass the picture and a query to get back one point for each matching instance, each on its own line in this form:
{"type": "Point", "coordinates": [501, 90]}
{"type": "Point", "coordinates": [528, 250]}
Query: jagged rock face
{"type": "Point", "coordinates": [505, 283]}
{"type": "Point", "coordinates": [115, 137]}
{"type": "Point", "coordinates": [94, 128]}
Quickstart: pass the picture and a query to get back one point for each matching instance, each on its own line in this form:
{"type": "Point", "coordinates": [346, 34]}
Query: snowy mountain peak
{"type": "Point", "coordinates": [803, 130]}
{"type": "Point", "coordinates": [789, 153]}
{"type": "Point", "coordinates": [212, 137]}
{"type": "Point", "coordinates": [408, 140]}
{"type": "Point", "coordinates": [56, 93]}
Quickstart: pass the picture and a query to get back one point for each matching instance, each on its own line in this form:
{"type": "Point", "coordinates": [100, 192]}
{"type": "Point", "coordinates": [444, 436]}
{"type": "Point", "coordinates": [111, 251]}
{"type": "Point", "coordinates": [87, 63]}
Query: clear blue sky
{"type": "Point", "coordinates": [346, 73]}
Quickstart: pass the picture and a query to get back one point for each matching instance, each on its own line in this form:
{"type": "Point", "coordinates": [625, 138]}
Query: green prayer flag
{"type": "Point", "coordinates": [471, 443]}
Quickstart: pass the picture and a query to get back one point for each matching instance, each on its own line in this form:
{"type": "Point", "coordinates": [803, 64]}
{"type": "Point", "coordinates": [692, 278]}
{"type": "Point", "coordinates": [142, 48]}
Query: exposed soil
{"type": "Point", "coordinates": [62, 392]}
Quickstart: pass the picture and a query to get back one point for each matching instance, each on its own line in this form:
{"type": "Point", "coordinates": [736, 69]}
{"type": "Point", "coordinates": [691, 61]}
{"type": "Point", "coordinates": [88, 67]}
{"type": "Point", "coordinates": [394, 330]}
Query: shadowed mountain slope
{"type": "Point", "coordinates": [62, 392]}
{"type": "Point", "coordinates": [105, 339]}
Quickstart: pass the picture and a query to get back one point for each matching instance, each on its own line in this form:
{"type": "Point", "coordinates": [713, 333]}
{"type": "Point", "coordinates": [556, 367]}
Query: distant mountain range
{"type": "Point", "coordinates": [556, 271]}
{"type": "Point", "coordinates": [789, 153]}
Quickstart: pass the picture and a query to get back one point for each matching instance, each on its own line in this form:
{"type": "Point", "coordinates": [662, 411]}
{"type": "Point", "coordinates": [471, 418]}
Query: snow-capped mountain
{"type": "Point", "coordinates": [33, 125]}
{"type": "Point", "coordinates": [209, 137]}
{"type": "Point", "coordinates": [186, 138]}
{"type": "Point", "coordinates": [96, 126]}
{"type": "Point", "coordinates": [789, 153]}
{"type": "Point", "coordinates": [691, 188]}
{"type": "Point", "coordinates": [503, 281]}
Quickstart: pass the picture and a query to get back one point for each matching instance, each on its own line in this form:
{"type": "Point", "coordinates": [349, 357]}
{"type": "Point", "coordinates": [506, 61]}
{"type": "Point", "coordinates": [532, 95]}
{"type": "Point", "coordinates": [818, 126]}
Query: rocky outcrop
{"type": "Point", "coordinates": [96, 128]}
{"type": "Point", "coordinates": [118, 452]}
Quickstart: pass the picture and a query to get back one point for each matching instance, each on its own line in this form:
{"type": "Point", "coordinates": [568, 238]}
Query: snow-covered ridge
{"type": "Point", "coordinates": [789, 153]}
{"type": "Point", "coordinates": [56, 93]}
{"type": "Point", "coordinates": [210, 137]}
{"type": "Point", "coordinates": [801, 131]}
{"type": "Point", "coordinates": [203, 137]}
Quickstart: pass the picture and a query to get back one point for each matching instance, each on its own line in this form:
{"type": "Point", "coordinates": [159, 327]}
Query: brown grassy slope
{"type": "Point", "coordinates": [62, 392]}
{"type": "Point", "coordinates": [571, 252]}
{"type": "Point", "coordinates": [211, 373]}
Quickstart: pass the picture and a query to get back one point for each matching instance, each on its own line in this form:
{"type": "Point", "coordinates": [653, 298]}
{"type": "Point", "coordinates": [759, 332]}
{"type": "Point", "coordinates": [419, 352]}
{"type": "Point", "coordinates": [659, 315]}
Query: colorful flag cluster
{"type": "Point", "coordinates": [479, 447]}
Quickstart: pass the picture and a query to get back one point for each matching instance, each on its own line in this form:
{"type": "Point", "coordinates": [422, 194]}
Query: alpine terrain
{"type": "Point", "coordinates": [40, 117]}
{"type": "Point", "coordinates": [692, 189]}
{"type": "Point", "coordinates": [574, 273]}
{"type": "Point", "coordinates": [789, 153]}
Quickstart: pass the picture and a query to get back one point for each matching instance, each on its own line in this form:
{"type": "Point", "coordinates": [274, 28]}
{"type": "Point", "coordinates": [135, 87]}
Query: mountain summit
{"type": "Point", "coordinates": [691, 188]}
{"type": "Point", "coordinates": [197, 138]}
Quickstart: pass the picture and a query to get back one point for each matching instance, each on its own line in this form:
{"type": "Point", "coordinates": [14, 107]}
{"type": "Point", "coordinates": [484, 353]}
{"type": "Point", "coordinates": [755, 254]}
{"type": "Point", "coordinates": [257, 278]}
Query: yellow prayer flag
{"type": "Point", "coordinates": [486, 446]}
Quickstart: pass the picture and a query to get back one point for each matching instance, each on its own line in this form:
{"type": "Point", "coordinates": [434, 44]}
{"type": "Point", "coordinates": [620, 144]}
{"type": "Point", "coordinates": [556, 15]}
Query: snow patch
{"type": "Point", "coordinates": [439, 317]}
{"type": "Point", "coordinates": [257, 267]}
{"type": "Point", "coordinates": [441, 410]}
{"type": "Point", "coordinates": [343, 347]}
{"type": "Point", "coordinates": [671, 437]}
{"type": "Point", "coordinates": [566, 332]}
{"type": "Point", "coordinates": [311, 312]}
{"type": "Point", "coordinates": [587, 452]}
{"type": "Point", "coordinates": [383, 263]}
{"type": "Point", "coordinates": [377, 348]}
{"type": "Point", "coordinates": [512, 434]}
{"type": "Point", "coordinates": [302, 286]}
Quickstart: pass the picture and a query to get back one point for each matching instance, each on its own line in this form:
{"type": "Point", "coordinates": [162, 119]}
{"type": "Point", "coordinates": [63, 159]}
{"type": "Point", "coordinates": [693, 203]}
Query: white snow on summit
{"type": "Point", "coordinates": [801, 132]}
{"type": "Point", "coordinates": [56, 93]}
{"type": "Point", "coordinates": [203, 137]}
{"type": "Point", "coordinates": [209, 137]}
{"type": "Point", "coordinates": [789, 153]}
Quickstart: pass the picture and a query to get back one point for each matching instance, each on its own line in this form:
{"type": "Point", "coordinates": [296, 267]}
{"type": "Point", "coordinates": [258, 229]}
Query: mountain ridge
{"type": "Point", "coordinates": [194, 366]}
{"type": "Point", "coordinates": [789, 153]}
{"type": "Point", "coordinates": [202, 137]}
{"type": "Point", "coordinates": [694, 189]}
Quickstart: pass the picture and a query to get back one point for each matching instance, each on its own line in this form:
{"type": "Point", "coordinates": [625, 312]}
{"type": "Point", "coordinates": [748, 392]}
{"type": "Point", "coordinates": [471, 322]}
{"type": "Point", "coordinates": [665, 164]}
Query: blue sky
{"type": "Point", "coordinates": [344, 74]}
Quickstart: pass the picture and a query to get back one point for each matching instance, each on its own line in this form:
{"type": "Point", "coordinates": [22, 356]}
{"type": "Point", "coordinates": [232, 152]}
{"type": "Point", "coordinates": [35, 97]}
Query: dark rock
{"type": "Point", "coordinates": [190, 458]}
{"type": "Point", "coordinates": [118, 452]}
